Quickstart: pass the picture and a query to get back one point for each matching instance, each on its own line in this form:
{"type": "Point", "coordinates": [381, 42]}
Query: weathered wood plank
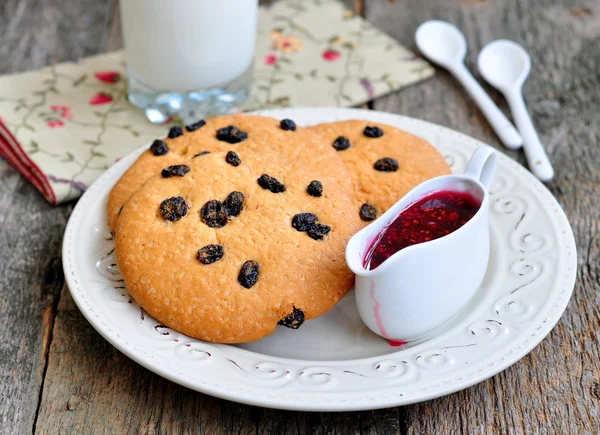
{"type": "Point", "coordinates": [555, 389]}
{"type": "Point", "coordinates": [32, 35]}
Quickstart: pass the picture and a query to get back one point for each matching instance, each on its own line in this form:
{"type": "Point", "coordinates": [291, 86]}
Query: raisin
{"type": "Point", "coordinates": [269, 183]}
{"type": "Point", "coordinates": [174, 208]}
{"type": "Point", "coordinates": [201, 154]}
{"type": "Point", "coordinates": [195, 126]}
{"type": "Point", "coordinates": [214, 214]}
{"type": "Point", "coordinates": [175, 171]}
{"type": "Point", "coordinates": [293, 320]}
{"type": "Point", "coordinates": [233, 159]}
{"type": "Point", "coordinates": [315, 188]}
{"type": "Point", "coordinates": [341, 143]}
{"type": "Point", "coordinates": [287, 124]}
{"type": "Point", "coordinates": [234, 203]}
{"type": "Point", "coordinates": [159, 147]}
{"type": "Point", "coordinates": [318, 231]}
{"type": "Point", "coordinates": [368, 212]}
{"type": "Point", "coordinates": [387, 164]}
{"type": "Point", "coordinates": [175, 132]}
{"type": "Point", "coordinates": [304, 221]}
{"type": "Point", "coordinates": [210, 254]}
{"type": "Point", "coordinates": [231, 134]}
{"type": "Point", "coordinates": [249, 273]}
{"type": "Point", "coordinates": [372, 131]}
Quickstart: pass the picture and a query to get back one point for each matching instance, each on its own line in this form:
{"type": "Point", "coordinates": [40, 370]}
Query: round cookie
{"type": "Point", "coordinates": [384, 162]}
{"type": "Point", "coordinates": [201, 264]}
{"type": "Point", "coordinates": [251, 133]}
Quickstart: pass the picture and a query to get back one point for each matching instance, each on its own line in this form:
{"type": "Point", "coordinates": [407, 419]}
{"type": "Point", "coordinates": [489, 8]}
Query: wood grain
{"type": "Point", "coordinates": [554, 389]}
{"type": "Point", "coordinates": [58, 375]}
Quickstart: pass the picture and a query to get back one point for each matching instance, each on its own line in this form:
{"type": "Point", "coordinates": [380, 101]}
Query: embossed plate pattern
{"type": "Point", "coordinates": [334, 363]}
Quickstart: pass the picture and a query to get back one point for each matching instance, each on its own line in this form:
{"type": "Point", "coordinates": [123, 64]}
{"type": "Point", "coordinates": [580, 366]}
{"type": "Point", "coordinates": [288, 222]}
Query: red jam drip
{"type": "Point", "coordinates": [431, 217]}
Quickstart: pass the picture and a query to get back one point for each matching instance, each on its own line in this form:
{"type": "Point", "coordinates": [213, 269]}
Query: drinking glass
{"type": "Point", "coordinates": [188, 58]}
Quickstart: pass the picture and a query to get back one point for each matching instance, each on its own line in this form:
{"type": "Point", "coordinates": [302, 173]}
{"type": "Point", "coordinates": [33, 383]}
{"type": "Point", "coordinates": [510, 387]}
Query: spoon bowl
{"type": "Point", "coordinates": [441, 42]}
{"type": "Point", "coordinates": [504, 64]}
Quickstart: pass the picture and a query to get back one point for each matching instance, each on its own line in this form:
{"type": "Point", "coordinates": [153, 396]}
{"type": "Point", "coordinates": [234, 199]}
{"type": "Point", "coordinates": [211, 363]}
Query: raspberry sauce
{"type": "Point", "coordinates": [429, 218]}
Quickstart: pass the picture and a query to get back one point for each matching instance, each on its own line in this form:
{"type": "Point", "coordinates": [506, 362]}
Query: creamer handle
{"type": "Point", "coordinates": [482, 165]}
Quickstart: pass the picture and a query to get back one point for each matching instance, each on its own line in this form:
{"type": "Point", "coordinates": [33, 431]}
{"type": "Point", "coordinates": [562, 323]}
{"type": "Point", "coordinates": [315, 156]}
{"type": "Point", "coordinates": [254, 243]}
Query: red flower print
{"type": "Point", "coordinates": [55, 123]}
{"type": "Point", "coordinates": [270, 59]}
{"type": "Point", "coordinates": [100, 98]}
{"type": "Point", "coordinates": [331, 55]}
{"type": "Point", "coordinates": [108, 76]}
{"type": "Point", "coordinates": [65, 111]}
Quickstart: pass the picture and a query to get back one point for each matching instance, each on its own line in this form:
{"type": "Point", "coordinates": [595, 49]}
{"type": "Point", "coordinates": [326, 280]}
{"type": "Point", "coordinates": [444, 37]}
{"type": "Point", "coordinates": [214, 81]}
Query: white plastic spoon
{"type": "Point", "coordinates": [506, 65]}
{"type": "Point", "coordinates": [443, 44]}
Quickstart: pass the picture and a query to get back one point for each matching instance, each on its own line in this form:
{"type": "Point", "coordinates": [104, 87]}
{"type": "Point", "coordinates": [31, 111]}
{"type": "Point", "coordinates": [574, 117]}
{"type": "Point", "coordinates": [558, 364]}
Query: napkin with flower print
{"type": "Point", "coordinates": [62, 126]}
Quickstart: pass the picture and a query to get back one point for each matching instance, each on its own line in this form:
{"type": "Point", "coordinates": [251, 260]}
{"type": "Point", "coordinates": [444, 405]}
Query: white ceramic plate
{"type": "Point", "coordinates": [335, 363]}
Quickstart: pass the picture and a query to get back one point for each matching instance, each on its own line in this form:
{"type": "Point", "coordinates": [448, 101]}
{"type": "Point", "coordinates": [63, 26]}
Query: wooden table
{"type": "Point", "coordinates": [58, 375]}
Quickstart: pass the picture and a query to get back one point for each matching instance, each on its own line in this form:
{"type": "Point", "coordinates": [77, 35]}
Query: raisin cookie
{"type": "Point", "coordinates": [236, 133]}
{"type": "Point", "coordinates": [384, 162]}
{"type": "Point", "coordinates": [225, 252]}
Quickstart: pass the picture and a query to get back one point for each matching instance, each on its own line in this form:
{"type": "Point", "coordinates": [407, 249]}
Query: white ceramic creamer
{"type": "Point", "coordinates": [422, 286]}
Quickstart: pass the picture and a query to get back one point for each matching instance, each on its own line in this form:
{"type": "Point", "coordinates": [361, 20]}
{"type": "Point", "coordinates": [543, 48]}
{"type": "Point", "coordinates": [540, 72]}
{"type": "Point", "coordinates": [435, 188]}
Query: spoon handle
{"type": "Point", "coordinates": [537, 159]}
{"type": "Point", "coordinates": [501, 125]}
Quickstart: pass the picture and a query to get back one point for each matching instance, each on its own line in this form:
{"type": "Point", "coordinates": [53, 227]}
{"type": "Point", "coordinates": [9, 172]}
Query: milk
{"type": "Point", "coordinates": [188, 45]}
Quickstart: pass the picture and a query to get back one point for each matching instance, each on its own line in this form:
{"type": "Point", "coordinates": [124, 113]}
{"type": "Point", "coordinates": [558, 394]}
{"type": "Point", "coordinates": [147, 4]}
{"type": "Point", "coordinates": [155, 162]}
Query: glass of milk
{"type": "Point", "coordinates": [188, 58]}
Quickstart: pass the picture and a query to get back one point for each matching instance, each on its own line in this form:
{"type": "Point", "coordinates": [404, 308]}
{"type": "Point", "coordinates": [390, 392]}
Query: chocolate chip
{"type": "Point", "coordinates": [159, 147]}
{"type": "Point", "coordinates": [315, 188]}
{"type": "Point", "coordinates": [341, 143]}
{"type": "Point", "coordinates": [304, 221]}
{"type": "Point", "coordinates": [387, 164]}
{"type": "Point", "coordinates": [234, 203]}
{"type": "Point", "coordinates": [368, 212]}
{"type": "Point", "coordinates": [318, 231]}
{"type": "Point", "coordinates": [249, 273]}
{"type": "Point", "coordinates": [175, 132]}
{"type": "Point", "coordinates": [233, 159]}
{"type": "Point", "coordinates": [214, 214]}
{"type": "Point", "coordinates": [175, 171]}
{"type": "Point", "coordinates": [293, 320]}
{"type": "Point", "coordinates": [287, 124]}
{"type": "Point", "coordinates": [373, 131]}
{"type": "Point", "coordinates": [269, 183]}
{"type": "Point", "coordinates": [231, 134]}
{"type": "Point", "coordinates": [202, 153]}
{"type": "Point", "coordinates": [210, 254]}
{"type": "Point", "coordinates": [195, 126]}
{"type": "Point", "coordinates": [174, 208]}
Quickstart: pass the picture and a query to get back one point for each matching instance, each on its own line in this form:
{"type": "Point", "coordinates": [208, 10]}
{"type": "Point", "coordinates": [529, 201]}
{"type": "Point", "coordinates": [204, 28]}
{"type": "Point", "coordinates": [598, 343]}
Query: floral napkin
{"type": "Point", "coordinates": [63, 125]}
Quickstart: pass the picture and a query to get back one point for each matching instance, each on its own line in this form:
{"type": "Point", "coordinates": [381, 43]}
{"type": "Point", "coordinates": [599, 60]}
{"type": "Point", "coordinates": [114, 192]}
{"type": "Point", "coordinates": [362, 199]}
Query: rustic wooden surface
{"type": "Point", "coordinates": [57, 375]}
